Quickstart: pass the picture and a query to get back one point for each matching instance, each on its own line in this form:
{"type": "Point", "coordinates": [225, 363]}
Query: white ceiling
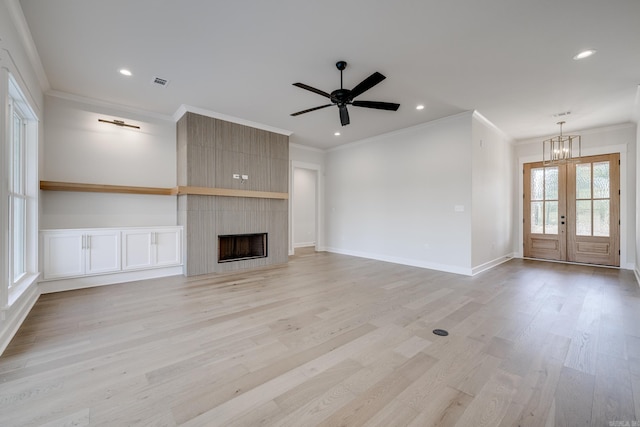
{"type": "Point", "coordinates": [509, 59]}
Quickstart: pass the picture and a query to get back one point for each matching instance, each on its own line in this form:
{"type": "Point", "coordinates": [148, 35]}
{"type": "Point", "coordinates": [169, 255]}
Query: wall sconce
{"type": "Point", "coordinates": [119, 123]}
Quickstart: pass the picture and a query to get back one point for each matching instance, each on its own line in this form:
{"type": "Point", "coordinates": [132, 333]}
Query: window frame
{"type": "Point", "coordinates": [18, 189]}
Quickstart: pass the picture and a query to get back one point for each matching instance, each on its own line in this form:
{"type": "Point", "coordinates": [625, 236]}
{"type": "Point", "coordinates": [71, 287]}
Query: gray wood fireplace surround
{"type": "Point", "coordinates": [210, 153]}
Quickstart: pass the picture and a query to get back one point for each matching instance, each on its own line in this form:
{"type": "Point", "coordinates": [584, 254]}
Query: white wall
{"type": "Point", "coordinates": [394, 197]}
{"type": "Point", "coordinates": [637, 205]}
{"type": "Point", "coordinates": [299, 153]}
{"type": "Point", "coordinates": [492, 193]}
{"type": "Point", "coordinates": [636, 118]}
{"type": "Point", "coordinates": [611, 139]}
{"type": "Point", "coordinates": [304, 207]}
{"type": "Point", "coordinates": [80, 149]}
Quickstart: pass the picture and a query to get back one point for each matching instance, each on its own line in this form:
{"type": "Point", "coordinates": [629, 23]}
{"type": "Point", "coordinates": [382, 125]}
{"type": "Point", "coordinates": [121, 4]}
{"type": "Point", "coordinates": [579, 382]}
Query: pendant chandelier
{"type": "Point", "coordinates": [561, 149]}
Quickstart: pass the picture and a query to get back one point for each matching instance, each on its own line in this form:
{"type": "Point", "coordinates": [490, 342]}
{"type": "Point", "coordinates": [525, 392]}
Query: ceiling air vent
{"type": "Point", "coordinates": [160, 81]}
{"type": "Point", "coordinates": [564, 113]}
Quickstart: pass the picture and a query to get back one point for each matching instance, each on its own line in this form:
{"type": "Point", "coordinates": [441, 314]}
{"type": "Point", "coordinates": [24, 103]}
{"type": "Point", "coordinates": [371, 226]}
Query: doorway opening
{"type": "Point", "coordinates": [572, 210]}
{"type": "Point", "coordinates": [305, 208]}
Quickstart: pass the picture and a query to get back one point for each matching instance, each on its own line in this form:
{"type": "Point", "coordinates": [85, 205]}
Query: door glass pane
{"type": "Point", "coordinates": [551, 183]}
{"type": "Point", "coordinates": [551, 218]}
{"type": "Point", "coordinates": [583, 217]}
{"type": "Point", "coordinates": [600, 216]}
{"type": "Point", "coordinates": [601, 180]}
{"type": "Point", "coordinates": [537, 184]}
{"type": "Point", "coordinates": [536, 217]}
{"type": "Point", "coordinates": [583, 181]}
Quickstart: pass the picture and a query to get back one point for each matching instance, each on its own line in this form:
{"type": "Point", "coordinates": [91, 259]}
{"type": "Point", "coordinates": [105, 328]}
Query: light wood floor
{"type": "Point", "coordinates": [334, 340]}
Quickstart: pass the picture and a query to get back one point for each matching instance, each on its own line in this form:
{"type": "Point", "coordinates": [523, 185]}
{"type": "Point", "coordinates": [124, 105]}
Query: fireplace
{"type": "Point", "coordinates": [238, 247]}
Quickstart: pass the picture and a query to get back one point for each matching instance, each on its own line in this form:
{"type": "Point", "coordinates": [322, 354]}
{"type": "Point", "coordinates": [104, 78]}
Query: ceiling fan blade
{"type": "Point", "coordinates": [312, 89]}
{"type": "Point", "coordinates": [367, 84]}
{"type": "Point", "coordinates": [344, 115]}
{"type": "Point", "coordinates": [311, 109]}
{"type": "Point", "coordinates": [377, 105]}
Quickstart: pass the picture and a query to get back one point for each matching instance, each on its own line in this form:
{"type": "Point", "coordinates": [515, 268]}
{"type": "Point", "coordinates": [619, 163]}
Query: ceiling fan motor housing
{"type": "Point", "coordinates": [341, 96]}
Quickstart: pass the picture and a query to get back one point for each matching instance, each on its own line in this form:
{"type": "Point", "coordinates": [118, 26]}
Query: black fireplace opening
{"type": "Point", "coordinates": [238, 247]}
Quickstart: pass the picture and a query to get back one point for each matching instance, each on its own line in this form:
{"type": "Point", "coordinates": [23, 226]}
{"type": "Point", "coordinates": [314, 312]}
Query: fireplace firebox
{"type": "Point", "coordinates": [238, 247]}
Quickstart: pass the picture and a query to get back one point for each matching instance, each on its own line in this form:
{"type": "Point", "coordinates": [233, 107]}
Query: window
{"type": "Point", "coordinates": [17, 194]}
{"type": "Point", "coordinates": [22, 180]}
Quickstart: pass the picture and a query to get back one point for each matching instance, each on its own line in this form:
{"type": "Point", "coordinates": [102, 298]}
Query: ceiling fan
{"type": "Point", "coordinates": [343, 97]}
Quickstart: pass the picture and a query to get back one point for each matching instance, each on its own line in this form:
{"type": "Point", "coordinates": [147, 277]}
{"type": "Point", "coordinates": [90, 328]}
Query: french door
{"type": "Point", "coordinates": [572, 211]}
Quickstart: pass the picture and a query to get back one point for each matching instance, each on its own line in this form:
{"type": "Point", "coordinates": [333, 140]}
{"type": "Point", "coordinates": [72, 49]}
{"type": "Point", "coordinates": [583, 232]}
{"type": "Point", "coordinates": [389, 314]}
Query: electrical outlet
{"type": "Point", "coordinates": [236, 176]}
{"type": "Point", "coordinates": [245, 176]}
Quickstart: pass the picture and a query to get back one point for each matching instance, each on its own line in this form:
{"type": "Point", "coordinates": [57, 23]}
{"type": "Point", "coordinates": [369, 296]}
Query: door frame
{"type": "Point", "coordinates": [592, 151]}
{"type": "Point", "coordinates": [319, 246]}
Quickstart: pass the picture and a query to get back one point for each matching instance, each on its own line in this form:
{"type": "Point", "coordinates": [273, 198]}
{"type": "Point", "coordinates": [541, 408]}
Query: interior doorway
{"type": "Point", "coordinates": [305, 208]}
{"type": "Point", "coordinates": [572, 211]}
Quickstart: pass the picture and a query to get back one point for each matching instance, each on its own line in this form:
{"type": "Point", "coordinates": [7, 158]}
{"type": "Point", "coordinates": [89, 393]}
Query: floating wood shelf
{"type": "Point", "coordinates": [181, 190]}
{"type": "Point", "coordinates": [101, 188]}
{"type": "Point", "coordinates": [208, 191]}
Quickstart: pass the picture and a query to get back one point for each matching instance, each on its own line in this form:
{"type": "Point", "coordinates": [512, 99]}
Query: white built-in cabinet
{"type": "Point", "coordinates": [76, 253]}
{"type": "Point", "coordinates": [144, 248]}
{"type": "Point", "coordinates": [70, 253]}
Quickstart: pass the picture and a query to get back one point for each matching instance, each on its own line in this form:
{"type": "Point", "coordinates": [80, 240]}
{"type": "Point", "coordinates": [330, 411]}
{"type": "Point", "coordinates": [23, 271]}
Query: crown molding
{"type": "Point", "coordinates": [204, 112]}
{"type": "Point", "coordinates": [24, 34]}
{"type": "Point", "coordinates": [582, 132]}
{"type": "Point", "coordinates": [304, 147]}
{"type": "Point", "coordinates": [490, 124]}
{"type": "Point", "coordinates": [106, 104]}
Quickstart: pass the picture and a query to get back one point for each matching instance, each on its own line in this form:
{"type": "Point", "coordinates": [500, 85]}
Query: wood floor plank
{"type": "Point", "coordinates": [492, 402]}
{"type": "Point", "coordinates": [613, 392]}
{"type": "Point", "coordinates": [333, 340]}
{"type": "Point", "coordinates": [444, 409]}
{"type": "Point", "coordinates": [574, 398]}
{"type": "Point", "coordinates": [582, 352]}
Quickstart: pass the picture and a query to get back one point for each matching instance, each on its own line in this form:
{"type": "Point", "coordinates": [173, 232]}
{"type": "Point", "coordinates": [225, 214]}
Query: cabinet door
{"type": "Point", "coordinates": [63, 254]}
{"type": "Point", "coordinates": [102, 252]}
{"type": "Point", "coordinates": [136, 249]}
{"type": "Point", "coordinates": [168, 247]}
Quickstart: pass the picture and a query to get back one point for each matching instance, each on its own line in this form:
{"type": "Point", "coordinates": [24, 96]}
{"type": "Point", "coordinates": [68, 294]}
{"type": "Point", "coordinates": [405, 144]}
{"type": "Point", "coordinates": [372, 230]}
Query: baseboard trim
{"type": "Point", "coordinates": [403, 261]}
{"type": "Point", "coordinates": [489, 265]}
{"type": "Point", "coordinates": [107, 279]}
{"type": "Point", "coordinates": [13, 316]}
{"type": "Point", "coordinates": [304, 245]}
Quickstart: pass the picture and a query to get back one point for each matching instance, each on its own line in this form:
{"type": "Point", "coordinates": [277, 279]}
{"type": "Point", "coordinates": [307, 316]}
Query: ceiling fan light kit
{"type": "Point", "coordinates": [343, 97]}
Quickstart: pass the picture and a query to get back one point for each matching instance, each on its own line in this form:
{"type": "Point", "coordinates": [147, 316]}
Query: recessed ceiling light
{"type": "Point", "coordinates": [337, 134]}
{"type": "Point", "coordinates": [420, 107]}
{"type": "Point", "coordinates": [584, 54]}
{"type": "Point", "coordinates": [125, 72]}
